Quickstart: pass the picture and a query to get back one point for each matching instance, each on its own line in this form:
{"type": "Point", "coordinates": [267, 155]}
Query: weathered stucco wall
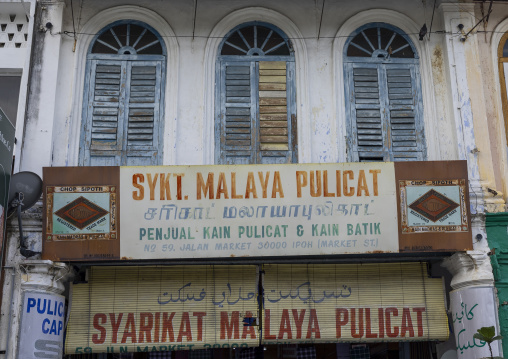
{"type": "Point", "coordinates": [461, 100]}
{"type": "Point", "coordinates": [320, 107]}
{"type": "Point", "coordinates": [494, 147]}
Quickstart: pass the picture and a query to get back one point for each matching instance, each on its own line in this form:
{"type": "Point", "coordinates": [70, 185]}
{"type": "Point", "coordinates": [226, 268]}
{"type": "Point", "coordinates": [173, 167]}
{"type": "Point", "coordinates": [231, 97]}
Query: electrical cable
{"type": "Point", "coordinates": [71, 34]}
{"type": "Point", "coordinates": [321, 20]}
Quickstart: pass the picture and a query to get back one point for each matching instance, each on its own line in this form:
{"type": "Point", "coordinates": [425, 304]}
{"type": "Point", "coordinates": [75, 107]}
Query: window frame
{"type": "Point", "coordinates": [219, 89]}
{"type": "Point", "coordinates": [382, 65]}
{"type": "Point", "coordinates": [502, 81]}
{"type": "Point", "coordinates": [84, 157]}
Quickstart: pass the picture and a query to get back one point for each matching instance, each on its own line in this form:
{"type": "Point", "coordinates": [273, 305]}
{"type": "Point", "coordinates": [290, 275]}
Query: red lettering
{"type": "Point", "coordinates": [389, 332]}
{"type": "Point", "coordinates": [354, 334]}
{"type": "Point", "coordinates": [313, 325]}
{"type": "Point", "coordinates": [115, 325]}
{"type": "Point", "coordinates": [341, 319]}
{"type": "Point", "coordinates": [145, 327]}
{"type": "Point", "coordinates": [267, 320]}
{"type": "Point", "coordinates": [200, 316]}
{"type": "Point", "coordinates": [185, 328]}
{"type": "Point", "coordinates": [419, 320]}
{"type": "Point", "coordinates": [157, 327]}
{"type": "Point", "coordinates": [247, 329]}
{"type": "Point", "coordinates": [407, 324]}
{"type": "Point", "coordinates": [368, 329]}
{"type": "Point", "coordinates": [130, 329]}
{"type": "Point", "coordinates": [298, 321]}
{"type": "Point", "coordinates": [167, 327]}
{"type": "Point", "coordinates": [102, 318]}
{"type": "Point", "coordinates": [380, 313]}
{"type": "Point", "coordinates": [285, 325]}
{"type": "Point", "coordinates": [232, 327]}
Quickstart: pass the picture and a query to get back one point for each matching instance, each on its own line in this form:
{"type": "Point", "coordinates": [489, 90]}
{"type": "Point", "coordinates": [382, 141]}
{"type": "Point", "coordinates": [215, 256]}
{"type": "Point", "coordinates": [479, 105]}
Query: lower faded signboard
{"type": "Point", "coordinates": [352, 303]}
{"type": "Point", "coordinates": [144, 309]}
{"type": "Point", "coordinates": [167, 308]}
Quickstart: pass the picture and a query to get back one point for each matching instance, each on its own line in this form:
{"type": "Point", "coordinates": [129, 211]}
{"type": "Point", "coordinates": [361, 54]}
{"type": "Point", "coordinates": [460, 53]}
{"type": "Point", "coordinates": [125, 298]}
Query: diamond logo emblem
{"type": "Point", "coordinates": [433, 205]}
{"type": "Point", "coordinates": [81, 212]}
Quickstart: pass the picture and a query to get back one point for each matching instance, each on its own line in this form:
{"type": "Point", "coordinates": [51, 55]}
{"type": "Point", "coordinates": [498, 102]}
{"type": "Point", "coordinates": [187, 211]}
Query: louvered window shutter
{"type": "Point", "coordinates": [366, 111]}
{"type": "Point", "coordinates": [385, 112]}
{"type": "Point", "coordinates": [237, 113]}
{"type": "Point", "coordinates": [104, 123]}
{"type": "Point", "coordinates": [276, 112]}
{"type": "Point", "coordinates": [405, 113]}
{"type": "Point", "coordinates": [256, 112]}
{"type": "Point", "coordinates": [142, 112]}
{"type": "Point", "coordinates": [122, 113]}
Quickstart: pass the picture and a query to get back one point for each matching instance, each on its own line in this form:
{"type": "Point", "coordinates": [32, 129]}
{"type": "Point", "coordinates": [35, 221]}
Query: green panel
{"type": "Point", "coordinates": [497, 237]}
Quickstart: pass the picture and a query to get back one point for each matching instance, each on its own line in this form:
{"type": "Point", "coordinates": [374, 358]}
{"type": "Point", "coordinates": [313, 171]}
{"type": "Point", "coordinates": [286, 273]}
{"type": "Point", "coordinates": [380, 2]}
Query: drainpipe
{"type": "Point", "coordinates": [9, 320]}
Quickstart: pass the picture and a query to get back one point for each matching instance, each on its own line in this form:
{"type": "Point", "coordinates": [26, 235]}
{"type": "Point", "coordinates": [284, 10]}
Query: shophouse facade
{"type": "Point", "coordinates": [270, 112]}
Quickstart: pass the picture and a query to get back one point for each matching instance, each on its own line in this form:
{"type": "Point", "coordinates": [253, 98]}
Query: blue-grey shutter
{"type": "Point", "coordinates": [104, 116]}
{"type": "Point", "coordinates": [385, 111]}
{"type": "Point", "coordinates": [257, 112]}
{"type": "Point", "coordinates": [142, 112]}
{"type": "Point", "coordinates": [237, 113]}
{"type": "Point", "coordinates": [366, 142]}
{"type": "Point", "coordinates": [122, 113]}
{"type": "Point", "coordinates": [405, 113]}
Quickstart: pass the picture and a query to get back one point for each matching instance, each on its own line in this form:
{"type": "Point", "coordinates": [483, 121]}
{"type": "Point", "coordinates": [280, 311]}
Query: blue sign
{"type": "Point", "coordinates": [42, 326]}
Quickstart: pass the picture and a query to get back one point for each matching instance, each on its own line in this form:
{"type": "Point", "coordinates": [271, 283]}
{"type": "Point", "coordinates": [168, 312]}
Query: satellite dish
{"type": "Point", "coordinates": [25, 187]}
{"type": "Point", "coordinates": [24, 191]}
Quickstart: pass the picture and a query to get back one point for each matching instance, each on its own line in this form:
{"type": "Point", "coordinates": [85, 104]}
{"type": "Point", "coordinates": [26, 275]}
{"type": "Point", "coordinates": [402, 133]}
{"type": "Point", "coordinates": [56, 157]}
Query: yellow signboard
{"type": "Point", "coordinates": [145, 309]}
{"type": "Point", "coordinates": [258, 210]}
{"type": "Point", "coordinates": [352, 303]}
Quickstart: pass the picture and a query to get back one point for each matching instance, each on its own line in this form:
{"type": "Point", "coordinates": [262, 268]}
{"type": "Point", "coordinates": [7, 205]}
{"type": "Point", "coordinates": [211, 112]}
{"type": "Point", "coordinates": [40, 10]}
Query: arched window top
{"type": "Point", "coordinates": [380, 41]}
{"type": "Point", "coordinates": [256, 39]}
{"type": "Point", "coordinates": [502, 50]}
{"type": "Point", "coordinates": [127, 37]}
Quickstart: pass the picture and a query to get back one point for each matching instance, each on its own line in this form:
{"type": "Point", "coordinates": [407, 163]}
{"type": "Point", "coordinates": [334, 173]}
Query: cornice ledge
{"type": "Point", "coordinates": [454, 7]}
{"type": "Point", "coordinates": [52, 2]}
{"type": "Point", "coordinates": [44, 275]}
{"type": "Point", "coordinates": [471, 268]}
{"type": "Point", "coordinates": [494, 200]}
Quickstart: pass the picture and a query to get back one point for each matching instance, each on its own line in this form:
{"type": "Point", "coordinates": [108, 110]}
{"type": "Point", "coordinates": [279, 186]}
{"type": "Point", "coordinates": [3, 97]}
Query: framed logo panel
{"type": "Point", "coordinates": [433, 206]}
{"type": "Point", "coordinates": [81, 213]}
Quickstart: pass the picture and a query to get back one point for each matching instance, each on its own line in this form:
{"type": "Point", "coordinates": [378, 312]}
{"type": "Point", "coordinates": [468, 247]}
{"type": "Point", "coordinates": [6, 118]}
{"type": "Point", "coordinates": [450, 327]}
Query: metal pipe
{"type": "Point", "coordinates": [9, 324]}
{"type": "Point", "coordinates": [341, 259]}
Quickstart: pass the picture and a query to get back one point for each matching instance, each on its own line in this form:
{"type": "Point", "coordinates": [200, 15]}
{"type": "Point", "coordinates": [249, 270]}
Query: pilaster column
{"type": "Point", "coordinates": [42, 314]}
{"type": "Point", "coordinates": [472, 303]}
{"type": "Point", "coordinates": [469, 106]}
{"type": "Point", "coordinates": [37, 310]}
{"type": "Point", "coordinates": [38, 139]}
{"type": "Point", "coordinates": [456, 48]}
